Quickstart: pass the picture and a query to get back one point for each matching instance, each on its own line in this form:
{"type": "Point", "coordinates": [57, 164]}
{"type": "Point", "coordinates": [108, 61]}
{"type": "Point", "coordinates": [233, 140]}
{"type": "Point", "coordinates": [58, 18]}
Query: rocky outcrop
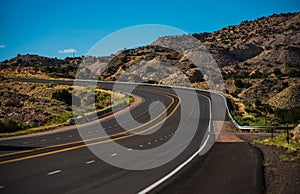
{"type": "Point", "coordinates": [296, 134]}
{"type": "Point", "coordinates": [245, 51]}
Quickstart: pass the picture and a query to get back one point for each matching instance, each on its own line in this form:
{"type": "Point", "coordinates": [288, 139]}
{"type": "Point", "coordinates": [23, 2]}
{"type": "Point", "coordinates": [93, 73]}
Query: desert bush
{"type": "Point", "coordinates": [63, 95]}
{"type": "Point", "coordinates": [294, 73]}
{"type": "Point", "coordinates": [192, 65]}
{"type": "Point", "coordinates": [61, 117]}
{"type": "Point", "coordinates": [258, 74]}
{"type": "Point", "coordinates": [237, 67]}
{"type": "Point", "coordinates": [8, 125]}
{"type": "Point", "coordinates": [13, 103]}
{"type": "Point", "coordinates": [288, 115]}
{"type": "Point", "coordinates": [238, 83]}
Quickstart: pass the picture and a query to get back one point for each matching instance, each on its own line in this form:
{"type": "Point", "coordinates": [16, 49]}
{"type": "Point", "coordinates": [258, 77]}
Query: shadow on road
{"type": "Point", "coordinates": [15, 148]}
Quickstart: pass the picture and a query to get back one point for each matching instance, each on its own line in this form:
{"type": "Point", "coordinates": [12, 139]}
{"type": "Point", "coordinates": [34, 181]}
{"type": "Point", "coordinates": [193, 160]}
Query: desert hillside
{"type": "Point", "coordinates": [259, 62]}
{"type": "Point", "coordinates": [35, 66]}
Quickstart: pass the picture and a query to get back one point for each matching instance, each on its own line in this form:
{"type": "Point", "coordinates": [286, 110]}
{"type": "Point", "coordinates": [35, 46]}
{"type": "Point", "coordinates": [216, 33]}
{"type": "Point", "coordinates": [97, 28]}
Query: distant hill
{"type": "Point", "coordinates": [259, 61]}
{"type": "Point", "coordinates": [39, 67]}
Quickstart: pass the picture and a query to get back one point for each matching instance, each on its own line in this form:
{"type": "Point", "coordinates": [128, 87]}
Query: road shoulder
{"type": "Point", "coordinates": [229, 167]}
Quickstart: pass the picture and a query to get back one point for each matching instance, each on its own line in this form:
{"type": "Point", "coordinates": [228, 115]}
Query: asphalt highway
{"type": "Point", "coordinates": [63, 163]}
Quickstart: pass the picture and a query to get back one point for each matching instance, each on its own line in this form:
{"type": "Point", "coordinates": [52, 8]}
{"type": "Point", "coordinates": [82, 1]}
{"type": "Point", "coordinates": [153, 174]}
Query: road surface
{"type": "Point", "coordinates": [62, 163]}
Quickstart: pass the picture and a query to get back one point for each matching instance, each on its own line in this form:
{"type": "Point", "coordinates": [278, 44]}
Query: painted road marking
{"type": "Point", "coordinates": [43, 140]}
{"type": "Point", "coordinates": [1, 187]}
{"type": "Point", "coordinates": [104, 141]}
{"type": "Point", "coordinates": [90, 162]}
{"type": "Point", "coordinates": [57, 138]}
{"type": "Point", "coordinates": [53, 172]}
{"type": "Point", "coordinates": [155, 140]}
{"type": "Point", "coordinates": [69, 135]}
{"type": "Point", "coordinates": [141, 145]}
{"type": "Point", "coordinates": [114, 154]}
{"type": "Point", "coordinates": [149, 142]}
{"type": "Point", "coordinates": [129, 149]}
{"type": "Point", "coordinates": [25, 142]}
{"type": "Point", "coordinates": [149, 188]}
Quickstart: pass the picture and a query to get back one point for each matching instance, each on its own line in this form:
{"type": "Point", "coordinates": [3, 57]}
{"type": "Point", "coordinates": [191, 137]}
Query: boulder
{"type": "Point", "coordinates": [296, 134]}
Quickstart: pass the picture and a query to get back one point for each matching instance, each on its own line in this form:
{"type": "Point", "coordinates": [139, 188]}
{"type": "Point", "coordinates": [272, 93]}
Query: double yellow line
{"type": "Point", "coordinates": [171, 96]}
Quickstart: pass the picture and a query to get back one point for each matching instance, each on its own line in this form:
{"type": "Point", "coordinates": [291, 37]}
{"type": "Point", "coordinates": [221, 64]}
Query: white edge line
{"type": "Point", "coordinates": [160, 181]}
{"type": "Point", "coordinates": [54, 172]}
{"type": "Point", "coordinates": [149, 188]}
{"type": "Point", "coordinates": [90, 162]}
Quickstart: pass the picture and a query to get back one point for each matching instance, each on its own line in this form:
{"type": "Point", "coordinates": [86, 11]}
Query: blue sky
{"type": "Point", "coordinates": [53, 28]}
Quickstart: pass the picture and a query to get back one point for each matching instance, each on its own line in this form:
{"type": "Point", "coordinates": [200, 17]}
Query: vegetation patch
{"type": "Point", "coordinates": [292, 149]}
{"type": "Point", "coordinates": [31, 107]}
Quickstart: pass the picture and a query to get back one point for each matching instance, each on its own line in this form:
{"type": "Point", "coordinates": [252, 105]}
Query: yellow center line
{"type": "Point", "coordinates": [79, 146]}
{"type": "Point", "coordinates": [90, 144]}
{"type": "Point", "coordinates": [102, 137]}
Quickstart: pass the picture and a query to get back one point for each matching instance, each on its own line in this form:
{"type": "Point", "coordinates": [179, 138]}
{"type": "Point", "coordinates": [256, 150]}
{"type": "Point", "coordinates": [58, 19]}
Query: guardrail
{"type": "Point", "coordinates": [235, 123]}
{"type": "Point", "coordinates": [189, 88]}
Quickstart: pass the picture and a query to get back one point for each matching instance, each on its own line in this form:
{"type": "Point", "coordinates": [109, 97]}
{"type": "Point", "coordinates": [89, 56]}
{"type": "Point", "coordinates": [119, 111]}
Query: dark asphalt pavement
{"type": "Point", "coordinates": [62, 163]}
{"type": "Point", "coordinates": [226, 168]}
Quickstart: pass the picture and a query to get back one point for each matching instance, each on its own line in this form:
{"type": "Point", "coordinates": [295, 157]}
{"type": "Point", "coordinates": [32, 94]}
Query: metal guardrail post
{"type": "Point", "coordinates": [272, 130]}
{"type": "Point", "coordinates": [287, 133]}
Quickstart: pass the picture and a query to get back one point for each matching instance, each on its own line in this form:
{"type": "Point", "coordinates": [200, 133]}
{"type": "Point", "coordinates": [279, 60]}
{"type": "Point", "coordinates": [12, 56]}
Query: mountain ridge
{"type": "Point", "coordinates": [259, 62]}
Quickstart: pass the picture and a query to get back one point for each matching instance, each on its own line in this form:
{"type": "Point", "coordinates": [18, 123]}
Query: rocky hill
{"type": "Point", "coordinates": [259, 62]}
{"type": "Point", "coordinates": [39, 67]}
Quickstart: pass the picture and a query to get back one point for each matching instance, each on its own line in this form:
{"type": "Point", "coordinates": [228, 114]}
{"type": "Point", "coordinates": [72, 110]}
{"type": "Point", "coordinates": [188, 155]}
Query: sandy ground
{"type": "Point", "coordinates": [227, 132]}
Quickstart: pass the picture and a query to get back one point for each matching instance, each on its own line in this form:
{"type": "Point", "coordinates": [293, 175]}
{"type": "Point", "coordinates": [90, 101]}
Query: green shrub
{"type": "Point", "coordinates": [237, 67]}
{"type": "Point", "coordinates": [63, 95]}
{"type": "Point", "coordinates": [8, 125]}
{"type": "Point", "coordinates": [291, 115]}
{"type": "Point", "coordinates": [258, 74]}
{"type": "Point", "coordinates": [238, 83]}
{"type": "Point", "coordinates": [61, 117]}
{"type": "Point", "coordinates": [192, 65]}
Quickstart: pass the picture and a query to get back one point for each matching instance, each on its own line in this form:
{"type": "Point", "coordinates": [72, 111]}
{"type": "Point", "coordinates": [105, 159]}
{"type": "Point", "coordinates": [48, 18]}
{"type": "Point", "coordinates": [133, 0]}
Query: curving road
{"type": "Point", "coordinates": [62, 163]}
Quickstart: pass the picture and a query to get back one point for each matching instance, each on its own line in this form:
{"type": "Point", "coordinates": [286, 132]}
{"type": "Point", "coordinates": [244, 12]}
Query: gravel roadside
{"type": "Point", "coordinates": [281, 177]}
